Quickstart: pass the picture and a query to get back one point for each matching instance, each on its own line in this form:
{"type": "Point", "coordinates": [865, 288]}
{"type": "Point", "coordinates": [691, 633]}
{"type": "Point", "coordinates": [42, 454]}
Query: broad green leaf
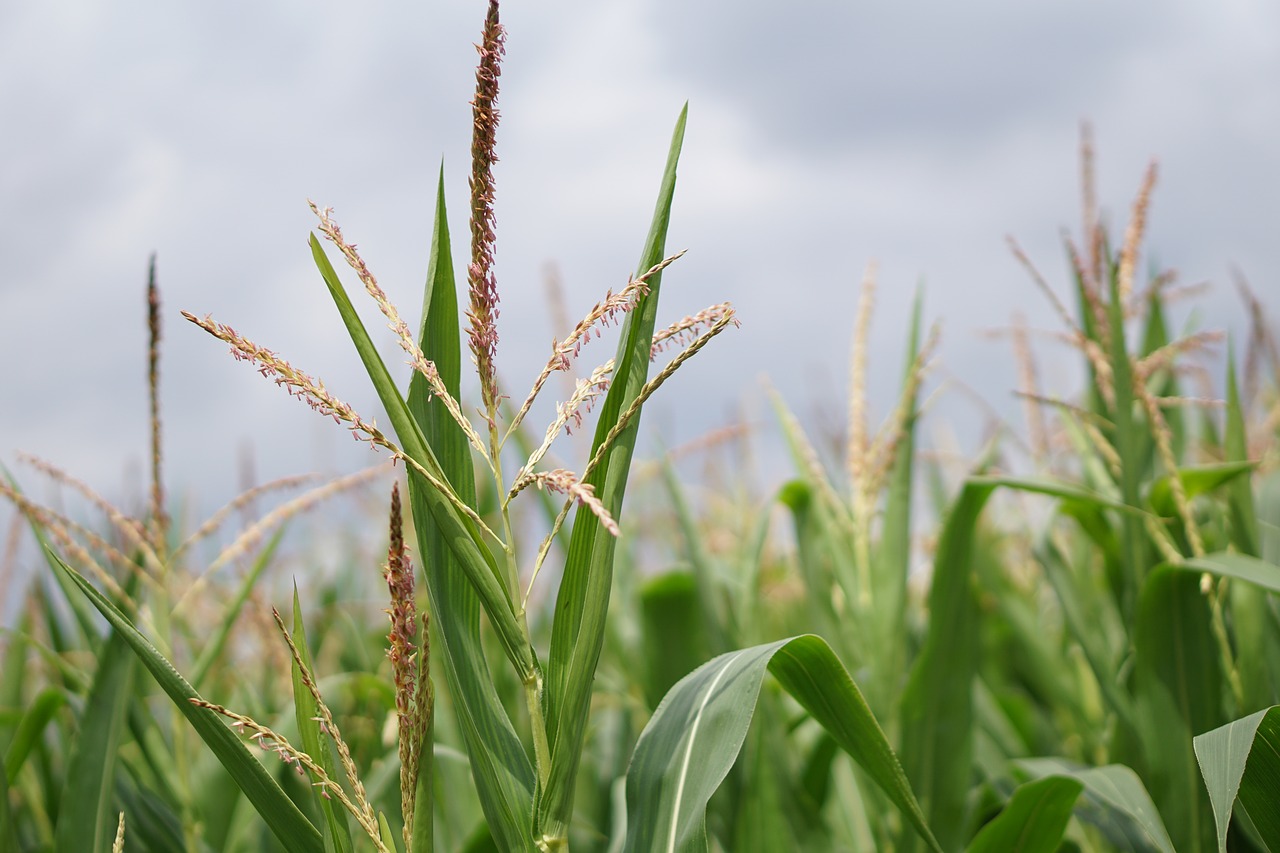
{"type": "Point", "coordinates": [86, 818]}
{"type": "Point", "coordinates": [500, 767]}
{"type": "Point", "coordinates": [1034, 819]}
{"type": "Point", "coordinates": [937, 706]}
{"type": "Point", "coordinates": [337, 834]}
{"type": "Point", "coordinates": [1242, 759]}
{"type": "Point", "coordinates": [582, 604]}
{"type": "Point", "coordinates": [694, 737]}
{"type": "Point", "coordinates": [763, 817]}
{"type": "Point", "coordinates": [295, 833]}
{"type": "Point", "coordinates": [1114, 801]}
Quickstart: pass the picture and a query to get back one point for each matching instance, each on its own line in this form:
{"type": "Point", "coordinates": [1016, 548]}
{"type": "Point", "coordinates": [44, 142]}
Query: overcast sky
{"type": "Point", "coordinates": [821, 135]}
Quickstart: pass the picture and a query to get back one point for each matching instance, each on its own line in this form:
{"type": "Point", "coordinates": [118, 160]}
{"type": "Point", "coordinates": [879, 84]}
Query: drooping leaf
{"type": "Point", "coordinates": [695, 735]}
{"type": "Point", "coordinates": [1197, 481]}
{"type": "Point", "coordinates": [1114, 801]}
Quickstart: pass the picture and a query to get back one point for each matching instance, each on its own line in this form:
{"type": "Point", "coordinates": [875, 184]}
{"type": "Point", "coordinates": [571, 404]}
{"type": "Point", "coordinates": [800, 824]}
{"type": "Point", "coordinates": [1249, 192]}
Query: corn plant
{"type": "Point", "coordinates": [1102, 676]}
{"type": "Point", "coordinates": [525, 769]}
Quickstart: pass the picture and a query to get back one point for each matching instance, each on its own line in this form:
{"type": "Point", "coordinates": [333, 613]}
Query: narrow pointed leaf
{"type": "Point", "coordinates": [583, 600]}
{"type": "Point", "coordinates": [31, 728]}
{"type": "Point", "coordinates": [1235, 446]}
{"type": "Point", "coordinates": [86, 819]}
{"type": "Point", "coordinates": [337, 834]}
{"type": "Point", "coordinates": [458, 531]}
{"type": "Point", "coordinates": [500, 767]}
{"type": "Point", "coordinates": [295, 833]}
{"type": "Point", "coordinates": [8, 832]}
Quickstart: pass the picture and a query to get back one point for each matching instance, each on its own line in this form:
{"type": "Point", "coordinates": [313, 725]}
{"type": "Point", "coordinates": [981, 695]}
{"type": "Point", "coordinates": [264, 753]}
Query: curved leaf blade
{"type": "Point", "coordinates": [86, 820]}
{"type": "Point", "coordinates": [695, 735]}
{"type": "Point", "coordinates": [1114, 800]}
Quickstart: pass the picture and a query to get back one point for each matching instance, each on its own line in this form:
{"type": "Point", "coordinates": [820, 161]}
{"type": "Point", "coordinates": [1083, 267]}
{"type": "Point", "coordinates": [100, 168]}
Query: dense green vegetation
{"type": "Point", "coordinates": [1074, 646]}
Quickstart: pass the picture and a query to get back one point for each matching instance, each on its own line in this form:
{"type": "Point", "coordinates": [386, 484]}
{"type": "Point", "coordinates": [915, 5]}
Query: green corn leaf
{"type": "Point", "coordinates": [1196, 481]}
{"type": "Point", "coordinates": [500, 767]}
{"type": "Point", "coordinates": [31, 728]}
{"type": "Point", "coordinates": [1178, 689]}
{"type": "Point", "coordinates": [1179, 683]}
{"type": "Point", "coordinates": [460, 532]}
{"type": "Point", "coordinates": [1132, 445]}
{"type": "Point", "coordinates": [893, 560]}
{"type": "Point", "coordinates": [86, 817]}
{"type": "Point", "coordinates": [389, 839]}
{"type": "Point", "coordinates": [1240, 762]}
{"type": "Point", "coordinates": [51, 618]}
{"type": "Point", "coordinates": [1235, 446]}
{"type": "Point", "coordinates": [583, 600]}
{"type": "Point", "coordinates": [1114, 801]}
{"type": "Point", "coordinates": [8, 832]}
{"type": "Point", "coordinates": [295, 833]}
{"type": "Point", "coordinates": [13, 679]}
{"type": "Point", "coordinates": [1033, 821]}
{"type": "Point", "coordinates": [337, 833]}
{"type": "Point", "coordinates": [695, 735]}
{"type": "Point", "coordinates": [937, 706]}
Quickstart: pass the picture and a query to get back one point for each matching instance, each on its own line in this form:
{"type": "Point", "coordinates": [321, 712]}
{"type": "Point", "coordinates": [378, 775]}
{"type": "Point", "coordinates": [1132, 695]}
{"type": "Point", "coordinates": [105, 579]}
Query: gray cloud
{"type": "Point", "coordinates": [821, 135]}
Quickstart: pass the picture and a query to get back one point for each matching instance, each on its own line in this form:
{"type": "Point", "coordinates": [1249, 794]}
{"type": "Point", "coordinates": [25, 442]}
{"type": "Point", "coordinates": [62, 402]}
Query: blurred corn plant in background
{"type": "Point", "coordinates": [1094, 666]}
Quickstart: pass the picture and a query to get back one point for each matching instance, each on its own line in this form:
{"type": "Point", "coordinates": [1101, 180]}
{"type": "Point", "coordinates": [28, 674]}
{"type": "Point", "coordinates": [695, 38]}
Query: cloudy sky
{"type": "Point", "coordinates": [821, 135]}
